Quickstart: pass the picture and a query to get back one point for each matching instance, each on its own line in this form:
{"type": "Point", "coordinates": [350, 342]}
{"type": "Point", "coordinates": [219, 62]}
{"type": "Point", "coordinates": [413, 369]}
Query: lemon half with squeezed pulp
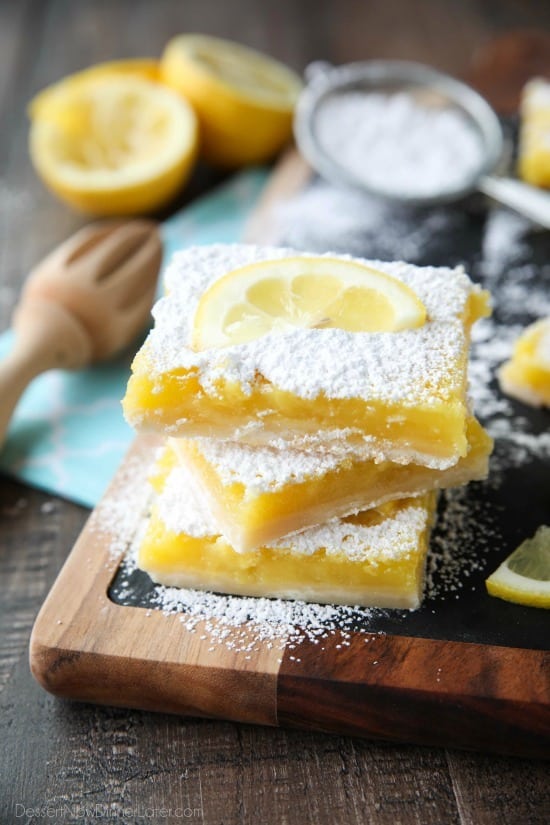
{"type": "Point", "coordinates": [113, 143]}
{"type": "Point", "coordinates": [244, 99]}
{"type": "Point", "coordinates": [44, 103]}
{"type": "Point", "coordinates": [308, 292]}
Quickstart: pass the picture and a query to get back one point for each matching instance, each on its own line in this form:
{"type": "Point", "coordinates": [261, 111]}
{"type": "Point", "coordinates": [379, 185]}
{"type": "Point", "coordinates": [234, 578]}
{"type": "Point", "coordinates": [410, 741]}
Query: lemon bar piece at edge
{"type": "Point", "coordinates": [257, 494]}
{"type": "Point", "coordinates": [534, 139]}
{"type": "Point", "coordinates": [376, 558]}
{"type": "Point", "coordinates": [527, 374]}
{"type": "Point", "coordinates": [402, 393]}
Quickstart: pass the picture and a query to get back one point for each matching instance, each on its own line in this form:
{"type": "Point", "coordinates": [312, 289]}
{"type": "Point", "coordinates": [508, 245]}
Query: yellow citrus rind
{"type": "Point", "coordinates": [244, 100]}
{"type": "Point", "coordinates": [524, 577]}
{"type": "Point", "coordinates": [114, 144]}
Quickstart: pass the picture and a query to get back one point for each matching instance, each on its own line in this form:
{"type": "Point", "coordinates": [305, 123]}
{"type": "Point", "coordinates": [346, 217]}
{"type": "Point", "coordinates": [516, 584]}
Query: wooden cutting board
{"type": "Point", "coordinates": [85, 646]}
{"type": "Point", "coordinates": [472, 673]}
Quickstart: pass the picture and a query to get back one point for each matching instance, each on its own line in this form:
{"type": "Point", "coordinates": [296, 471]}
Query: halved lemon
{"type": "Point", "coordinates": [113, 144]}
{"type": "Point", "coordinates": [524, 577]}
{"type": "Point", "coordinates": [46, 101]}
{"type": "Point", "coordinates": [244, 100]}
{"type": "Point", "coordinates": [281, 295]}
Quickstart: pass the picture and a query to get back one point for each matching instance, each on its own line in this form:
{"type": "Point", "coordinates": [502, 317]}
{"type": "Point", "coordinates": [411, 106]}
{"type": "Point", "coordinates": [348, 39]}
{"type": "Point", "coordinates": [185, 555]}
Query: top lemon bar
{"type": "Point", "coordinates": [296, 380]}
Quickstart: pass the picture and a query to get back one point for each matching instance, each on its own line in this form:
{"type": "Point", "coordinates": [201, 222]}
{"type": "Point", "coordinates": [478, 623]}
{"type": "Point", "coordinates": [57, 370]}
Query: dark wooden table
{"type": "Point", "coordinates": [130, 766]}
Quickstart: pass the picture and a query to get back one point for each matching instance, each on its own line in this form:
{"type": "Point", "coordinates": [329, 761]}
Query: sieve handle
{"type": "Point", "coordinates": [527, 200]}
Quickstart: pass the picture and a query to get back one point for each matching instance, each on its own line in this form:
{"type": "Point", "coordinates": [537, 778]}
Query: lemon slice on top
{"type": "Point", "coordinates": [113, 143]}
{"type": "Point", "coordinates": [524, 577]}
{"type": "Point", "coordinates": [244, 99]}
{"type": "Point", "coordinates": [308, 292]}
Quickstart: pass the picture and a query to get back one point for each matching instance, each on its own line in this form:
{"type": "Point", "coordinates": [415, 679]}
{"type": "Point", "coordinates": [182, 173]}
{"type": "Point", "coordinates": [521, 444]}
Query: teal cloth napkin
{"type": "Point", "coordinates": [68, 434]}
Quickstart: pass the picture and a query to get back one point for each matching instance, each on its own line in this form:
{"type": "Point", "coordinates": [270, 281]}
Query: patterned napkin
{"type": "Point", "coordinates": [68, 434]}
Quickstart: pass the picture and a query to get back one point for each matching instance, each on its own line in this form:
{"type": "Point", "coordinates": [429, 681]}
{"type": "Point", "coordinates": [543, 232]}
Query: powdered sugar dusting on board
{"type": "Point", "coordinates": [522, 294]}
{"type": "Point", "coordinates": [247, 624]}
{"type": "Point", "coordinates": [116, 516]}
{"type": "Point", "coordinates": [347, 221]}
{"type": "Point", "coordinates": [467, 527]}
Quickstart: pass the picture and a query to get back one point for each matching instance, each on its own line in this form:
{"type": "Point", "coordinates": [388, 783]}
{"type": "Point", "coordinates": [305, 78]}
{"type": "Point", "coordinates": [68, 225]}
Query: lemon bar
{"type": "Point", "coordinates": [258, 494]}
{"type": "Point", "coordinates": [527, 374]}
{"type": "Point", "coordinates": [376, 558]}
{"type": "Point", "coordinates": [534, 143]}
{"type": "Point", "coordinates": [304, 383]}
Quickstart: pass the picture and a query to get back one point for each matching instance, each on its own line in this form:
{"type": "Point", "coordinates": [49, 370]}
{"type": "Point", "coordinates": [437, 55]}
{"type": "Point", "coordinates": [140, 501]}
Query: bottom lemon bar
{"type": "Point", "coordinates": [258, 494]}
{"type": "Point", "coordinates": [527, 374]}
{"type": "Point", "coordinates": [376, 558]}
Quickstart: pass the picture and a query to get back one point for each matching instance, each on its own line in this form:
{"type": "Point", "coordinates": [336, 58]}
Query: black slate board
{"type": "Point", "coordinates": [504, 515]}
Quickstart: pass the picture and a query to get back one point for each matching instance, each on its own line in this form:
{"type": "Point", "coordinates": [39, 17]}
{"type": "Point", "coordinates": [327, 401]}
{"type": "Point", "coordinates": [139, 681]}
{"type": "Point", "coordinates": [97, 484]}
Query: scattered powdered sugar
{"type": "Point", "coordinates": [247, 624]}
{"type": "Point", "coordinates": [395, 145]}
{"type": "Point", "coordinates": [521, 292]}
{"type": "Point", "coordinates": [48, 507]}
{"type": "Point", "coordinates": [347, 221]}
{"type": "Point", "coordinates": [468, 526]}
{"type": "Point", "coordinates": [458, 542]}
{"type": "Point", "coordinates": [15, 509]}
{"type": "Point", "coordinates": [503, 240]}
{"type": "Point", "coordinates": [125, 508]}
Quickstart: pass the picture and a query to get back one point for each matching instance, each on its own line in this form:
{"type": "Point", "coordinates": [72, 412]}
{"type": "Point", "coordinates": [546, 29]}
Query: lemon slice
{"type": "Point", "coordinates": [113, 144]}
{"type": "Point", "coordinates": [244, 99]}
{"type": "Point", "coordinates": [317, 293]}
{"type": "Point", "coordinates": [524, 577]}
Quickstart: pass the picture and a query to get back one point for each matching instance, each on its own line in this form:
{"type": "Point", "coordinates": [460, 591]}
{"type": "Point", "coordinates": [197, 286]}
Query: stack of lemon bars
{"type": "Point", "coordinates": [310, 408]}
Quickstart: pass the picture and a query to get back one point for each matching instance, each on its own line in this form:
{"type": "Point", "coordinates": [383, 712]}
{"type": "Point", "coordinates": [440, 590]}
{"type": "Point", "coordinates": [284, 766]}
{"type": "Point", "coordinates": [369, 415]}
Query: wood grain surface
{"type": "Point", "coordinates": [87, 647]}
{"type": "Point", "coordinates": [62, 754]}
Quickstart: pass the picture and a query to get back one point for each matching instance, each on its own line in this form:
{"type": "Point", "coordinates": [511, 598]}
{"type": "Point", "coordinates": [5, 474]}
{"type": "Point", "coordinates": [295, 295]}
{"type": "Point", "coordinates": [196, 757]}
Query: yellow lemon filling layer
{"type": "Point", "coordinates": [256, 495]}
{"type": "Point", "coordinates": [376, 558]}
{"type": "Point", "coordinates": [178, 406]}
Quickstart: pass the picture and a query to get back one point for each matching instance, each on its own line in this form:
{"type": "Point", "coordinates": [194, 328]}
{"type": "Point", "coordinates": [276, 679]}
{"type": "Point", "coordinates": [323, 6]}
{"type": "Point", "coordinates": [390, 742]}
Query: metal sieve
{"type": "Point", "coordinates": [430, 88]}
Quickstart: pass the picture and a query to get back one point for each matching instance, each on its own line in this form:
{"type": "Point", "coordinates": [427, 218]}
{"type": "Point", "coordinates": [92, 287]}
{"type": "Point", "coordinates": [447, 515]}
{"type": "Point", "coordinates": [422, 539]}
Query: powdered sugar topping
{"type": "Point", "coordinates": [408, 367]}
{"type": "Point", "coordinates": [264, 469]}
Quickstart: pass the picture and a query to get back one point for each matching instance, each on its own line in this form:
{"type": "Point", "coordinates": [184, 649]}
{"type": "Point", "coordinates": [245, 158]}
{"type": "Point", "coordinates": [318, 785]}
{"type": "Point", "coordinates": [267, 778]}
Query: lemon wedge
{"type": "Point", "coordinates": [316, 293]}
{"type": "Point", "coordinates": [113, 143]}
{"type": "Point", "coordinates": [524, 577]}
{"type": "Point", "coordinates": [244, 100]}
